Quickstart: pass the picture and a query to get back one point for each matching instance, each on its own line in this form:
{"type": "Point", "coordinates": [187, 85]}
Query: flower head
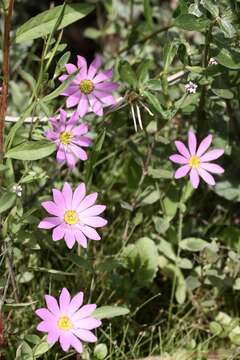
{"type": "Point", "coordinates": [69, 138]}
{"type": "Point", "coordinates": [68, 322]}
{"type": "Point", "coordinates": [212, 61]}
{"type": "Point", "coordinates": [17, 189]}
{"type": "Point", "coordinates": [74, 215]}
{"type": "Point", "coordinates": [197, 160]}
{"type": "Point", "coordinates": [191, 88]}
{"type": "Point", "coordinates": [89, 91]}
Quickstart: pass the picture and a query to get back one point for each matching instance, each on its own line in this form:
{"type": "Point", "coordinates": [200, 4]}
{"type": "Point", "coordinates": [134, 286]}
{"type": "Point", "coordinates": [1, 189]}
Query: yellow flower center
{"type": "Point", "coordinates": [71, 217]}
{"type": "Point", "coordinates": [64, 323]}
{"type": "Point", "coordinates": [65, 137]}
{"type": "Point", "coordinates": [86, 86]}
{"type": "Point", "coordinates": [194, 161]}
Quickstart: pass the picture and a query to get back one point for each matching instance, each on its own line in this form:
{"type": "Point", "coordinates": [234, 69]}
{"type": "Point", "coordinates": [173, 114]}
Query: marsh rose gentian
{"type": "Point", "coordinates": [74, 215]}
{"type": "Point", "coordinates": [68, 322]}
{"type": "Point", "coordinates": [196, 161]}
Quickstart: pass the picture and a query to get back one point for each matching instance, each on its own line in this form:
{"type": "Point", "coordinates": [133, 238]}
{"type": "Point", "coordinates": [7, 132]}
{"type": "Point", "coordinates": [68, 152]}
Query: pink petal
{"type": "Point", "coordinates": [95, 65]}
{"type": "Point", "coordinates": [52, 304]}
{"type": "Point", "coordinates": [82, 141]}
{"type": "Point", "coordinates": [65, 340]}
{"type": "Point", "coordinates": [108, 87]}
{"type": "Point", "coordinates": [44, 314]}
{"type": "Point", "coordinates": [53, 336]}
{"type": "Point", "coordinates": [182, 149]}
{"type": "Point", "coordinates": [63, 116]}
{"type": "Point", "coordinates": [82, 64]}
{"type": "Point", "coordinates": [204, 145]}
{"type": "Point", "coordinates": [70, 68]}
{"type": "Point", "coordinates": [70, 90]}
{"type": "Point", "coordinates": [93, 210]}
{"type": "Point", "coordinates": [194, 178]}
{"type": "Point", "coordinates": [51, 135]}
{"type": "Point", "coordinates": [81, 239]}
{"type": "Point", "coordinates": [84, 312]}
{"type": "Point", "coordinates": [102, 76]}
{"type": "Point", "coordinates": [88, 323]}
{"type": "Point", "coordinates": [178, 159]}
{"type": "Point", "coordinates": [52, 208]}
{"type": "Point", "coordinates": [95, 221]}
{"type": "Point", "coordinates": [58, 232]}
{"type": "Point", "coordinates": [69, 238]}
{"type": "Point", "coordinates": [75, 303]}
{"type": "Point", "coordinates": [85, 335]}
{"type": "Point", "coordinates": [68, 195]}
{"type": "Point", "coordinates": [79, 152]}
{"type": "Point", "coordinates": [80, 130]}
{"type": "Point", "coordinates": [90, 232]}
{"type": "Point", "coordinates": [74, 99]}
{"type": "Point", "coordinates": [105, 97]}
{"type": "Point", "coordinates": [192, 142]}
{"type": "Point", "coordinates": [212, 155]}
{"type": "Point", "coordinates": [82, 108]}
{"type": "Point", "coordinates": [96, 105]}
{"type": "Point", "coordinates": [182, 171]}
{"type": "Point", "coordinates": [64, 300]}
{"type": "Point", "coordinates": [44, 326]}
{"type": "Point", "coordinates": [49, 223]}
{"type": "Point", "coordinates": [208, 178]}
{"type": "Point", "coordinates": [88, 201]}
{"type": "Point", "coordinates": [61, 154]}
{"type": "Point", "coordinates": [72, 121]}
{"type": "Point", "coordinates": [63, 77]}
{"type": "Point", "coordinates": [76, 344]}
{"type": "Point", "coordinates": [213, 168]}
{"type": "Point", "coordinates": [58, 198]}
{"type": "Point", "coordinates": [71, 159]}
{"type": "Point", "coordinates": [78, 195]}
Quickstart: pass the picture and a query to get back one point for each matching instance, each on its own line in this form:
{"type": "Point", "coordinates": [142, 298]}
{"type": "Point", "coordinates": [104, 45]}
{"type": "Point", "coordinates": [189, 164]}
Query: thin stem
{"type": "Point", "coordinates": [179, 238]}
{"type": "Point", "coordinates": [5, 70]}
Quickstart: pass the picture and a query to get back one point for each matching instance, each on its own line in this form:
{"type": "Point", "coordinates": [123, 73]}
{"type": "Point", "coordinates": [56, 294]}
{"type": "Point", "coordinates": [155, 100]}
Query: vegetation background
{"type": "Point", "coordinates": [168, 264]}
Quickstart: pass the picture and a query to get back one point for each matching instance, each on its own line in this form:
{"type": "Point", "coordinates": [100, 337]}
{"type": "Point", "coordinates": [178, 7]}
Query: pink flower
{"type": "Point", "coordinates": [68, 322]}
{"type": "Point", "coordinates": [74, 215]}
{"type": "Point", "coordinates": [69, 138]}
{"type": "Point", "coordinates": [197, 160]}
{"type": "Point", "coordinates": [89, 91]}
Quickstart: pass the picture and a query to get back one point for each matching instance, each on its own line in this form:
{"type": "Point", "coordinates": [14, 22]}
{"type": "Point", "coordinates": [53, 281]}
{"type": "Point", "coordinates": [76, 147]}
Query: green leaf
{"type": "Point", "coordinates": [109, 312]}
{"type": "Point", "coordinates": [43, 24]}
{"type": "Point", "coordinates": [7, 200]}
{"type": "Point", "coordinates": [211, 7]}
{"type": "Point", "coordinates": [228, 190]}
{"type": "Point", "coordinates": [31, 150]}
{"type": "Point", "coordinates": [127, 74]}
{"type": "Point", "coordinates": [142, 71]}
{"type": "Point", "coordinates": [228, 57]}
{"type": "Point", "coordinates": [55, 93]}
{"type": "Point", "coordinates": [41, 348]}
{"type": "Point", "coordinates": [193, 244]}
{"type": "Point", "coordinates": [100, 351]}
{"type": "Point", "coordinates": [143, 259]}
{"type": "Point", "coordinates": [191, 23]}
{"type": "Point", "coordinates": [167, 249]}
{"type": "Point", "coordinates": [148, 13]}
{"type": "Point", "coordinates": [227, 27]}
{"type": "Point", "coordinates": [153, 100]}
{"type": "Point", "coordinates": [169, 51]}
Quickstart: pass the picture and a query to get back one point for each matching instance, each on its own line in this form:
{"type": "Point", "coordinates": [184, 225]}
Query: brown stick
{"type": "Point", "coordinates": [5, 70]}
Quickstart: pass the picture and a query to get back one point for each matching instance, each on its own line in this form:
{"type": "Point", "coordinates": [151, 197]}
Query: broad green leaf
{"type": "Point", "coordinates": [160, 173]}
{"type": "Point", "coordinates": [193, 244]}
{"type": "Point", "coordinates": [108, 312]}
{"type": "Point", "coordinates": [43, 24]}
{"type": "Point", "coordinates": [41, 348]}
{"type": "Point", "coordinates": [171, 202]}
{"type": "Point", "coordinates": [235, 335]}
{"type": "Point", "coordinates": [24, 352]}
{"type": "Point", "coordinates": [7, 200]}
{"type": "Point", "coordinates": [154, 101]}
{"type": "Point", "coordinates": [211, 7]}
{"type": "Point", "coordinates": [227, 27]}
{"type": "Point", "coordinates": [228, 190]}
{"type": "Point", "coordinates": [143, 259]}
{"type": "Point", "coordinates": [167, 249]}
{"type": "Point", "coordinates": [191, 23]}
{"type": "Point", "coordinates": [228, 57]}
{"type": "Point", "coordinates": [100, 351]}
{"type": "Point", "coordinates": [31, 150]}
{"type": "Point", "coordinates": [181, 288]}
{"type": "Point", "coordinates": [169, 51]}
{"type": "Point", "coordinates": [142, 71]}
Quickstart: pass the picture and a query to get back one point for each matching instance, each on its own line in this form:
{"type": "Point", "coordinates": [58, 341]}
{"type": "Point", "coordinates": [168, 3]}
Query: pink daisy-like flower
{"type": "Point", "coordinates": [68, 322]}
{"type": "Point", "coordinates": [89, 91]}
{"type": "Point", "coordinates": [74, 215]}
{"type": "Point", "coordinates": [197, 160]}
{"type": "Point", "coordinates": [69, 138]}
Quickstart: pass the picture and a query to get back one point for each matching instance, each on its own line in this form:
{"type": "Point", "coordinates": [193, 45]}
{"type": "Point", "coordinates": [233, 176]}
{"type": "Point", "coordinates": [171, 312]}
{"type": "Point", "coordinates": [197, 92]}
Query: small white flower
{"type": "Point", "coordinates": [212, 61]}
{"type": "Point", "coordinates": [17, 189]}
{"type": "Point", "coordinates": [191, 88]}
